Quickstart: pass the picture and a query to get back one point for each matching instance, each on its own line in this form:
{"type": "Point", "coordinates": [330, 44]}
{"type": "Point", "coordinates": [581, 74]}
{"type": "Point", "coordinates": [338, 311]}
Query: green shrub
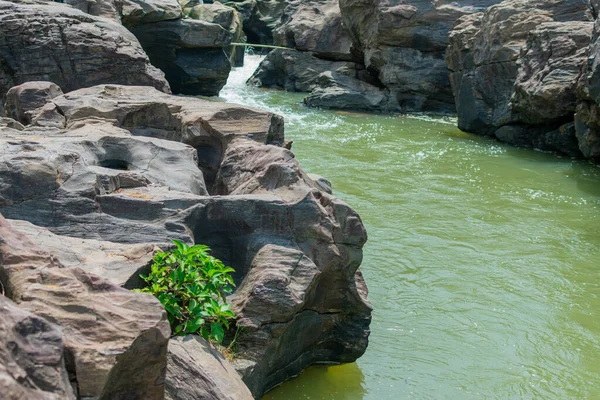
{"type": "Point", "coordinates": [191, 285]}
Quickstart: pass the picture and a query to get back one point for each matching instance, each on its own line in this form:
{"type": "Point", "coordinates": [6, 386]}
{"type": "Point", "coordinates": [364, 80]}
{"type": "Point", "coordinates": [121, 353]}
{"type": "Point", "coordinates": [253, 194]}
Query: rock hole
{"type": "Point", "coordinates": [115, 164]}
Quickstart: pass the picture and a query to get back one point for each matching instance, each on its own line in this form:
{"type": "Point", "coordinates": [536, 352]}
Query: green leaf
{"type": "Point", "coordinates": [216, 331]}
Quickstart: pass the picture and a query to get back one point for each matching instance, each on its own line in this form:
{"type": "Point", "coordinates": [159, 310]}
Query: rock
{"type": "Point", "coordinates": [332, 84]}
{"type": "Point", "coordinates": [587, 117]}
{"type": "Point", "coordinates": [314, 26]}
{"type": "Point", "coordinates": [196, 370]}
{"type": "Point", "coordinates": [342, 92]}
{"type": "Point", "coordinates": [260, 18]}
{"type": "Point", "coordinates": [70, 48]}
{"type": "Point", "coordinates": [323, 183]}
{"type": "Point", "coordinates": [24, 100]}
{"type": "Point", "coordinates": [100, 8]}
{"type": "Point", "coordinates": [229, 19]}
{"type": "Point", "coordinates": [138, 167]}
{"type": "Point", "coordinates": [8, 124]}
{"type": "Point", "coordinates": [130, 12]}
{"type": "Point", "coordinates": [119, 263]}
{"type": "Point", "coordinates": [404, 43]}
{"type": "Point", "coordinates": [31, 356]}
{"type": "Point", "coordinates": [190, 53]}
{"type": "Point", "coordinates": [549, 68]}
{"type": "Point", "coordinates": [515, 68]}
{"type": "Point", "coordinates": [295, 71]}
{"type": "Point", "coordinates": [115, 340]}
{"type": "Point", "coordinates": [136, 12]}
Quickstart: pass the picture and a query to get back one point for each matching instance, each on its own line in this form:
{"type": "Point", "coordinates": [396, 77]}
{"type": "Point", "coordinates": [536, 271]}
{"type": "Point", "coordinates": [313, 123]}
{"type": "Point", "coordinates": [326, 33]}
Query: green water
{"type": "Point", "coordinates": [483, 260]}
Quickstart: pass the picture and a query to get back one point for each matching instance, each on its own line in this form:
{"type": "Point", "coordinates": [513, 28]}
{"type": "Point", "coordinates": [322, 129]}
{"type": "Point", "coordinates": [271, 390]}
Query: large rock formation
{"type": "Point", "coordinates": [31, 356]}
{"type": "Point", "coordinates": [57, 43]}
{"type": "Point", "coordinates": [136, 167]}
{"type": "Point", "coordinates": [190, 52]}
{"type": "Point", "coordinates": [587, 118]}
{"type": "Point", "coordinates": [403, 43]}
{"type": "Point", "coordinates": [115, 341]}
{"type": "Point", "coordinates": [187, 40]}
{"type": "Point", "coordinates": [331, 84]}
{"type": "Point", "coordinates": [515, 69]}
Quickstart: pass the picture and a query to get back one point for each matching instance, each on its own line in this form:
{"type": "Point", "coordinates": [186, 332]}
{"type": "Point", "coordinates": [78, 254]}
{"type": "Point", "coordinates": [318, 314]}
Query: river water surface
{"type": "Point", "coordinates": [483, 260]}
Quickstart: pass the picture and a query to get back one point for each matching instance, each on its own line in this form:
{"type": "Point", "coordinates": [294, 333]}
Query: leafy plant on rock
{"type": "Point", "coordinates": [191, 285]}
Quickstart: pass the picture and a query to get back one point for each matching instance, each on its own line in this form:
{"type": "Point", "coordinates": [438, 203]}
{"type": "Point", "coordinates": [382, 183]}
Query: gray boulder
{"type": "Point", "coordinates": [332, 84]}
{"type": "Point", "coordinates": [50, 42]}
{"type": "Point", "coordinates": [196, 370]}
{"type": "Point", "coordinates": [314, 26]}
{"type": "Point", "coordinates": [27, 99]}
{"type": "Point", "coordinates": [338, 91]}
{"type": "Point", "coordinates": [295, 71]}
{"type": "Point", "coordinates": [31, 356]}
{"type": "Point", "coordinates": [136, 167]}
{"type": "Point", "coordinates": [515, 68]}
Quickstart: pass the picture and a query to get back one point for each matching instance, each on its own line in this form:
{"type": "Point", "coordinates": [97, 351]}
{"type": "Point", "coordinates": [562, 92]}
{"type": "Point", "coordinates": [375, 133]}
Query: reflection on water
{"type": "Point", "coordinates": [483, 260]}
{"type": "Point", "coordinates": [340, 382]}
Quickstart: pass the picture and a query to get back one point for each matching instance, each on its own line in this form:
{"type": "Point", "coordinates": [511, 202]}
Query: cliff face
{"type": "Point", "coordinates": [515, 71]}
{"type": "Point", "coordinates": [404, 44]}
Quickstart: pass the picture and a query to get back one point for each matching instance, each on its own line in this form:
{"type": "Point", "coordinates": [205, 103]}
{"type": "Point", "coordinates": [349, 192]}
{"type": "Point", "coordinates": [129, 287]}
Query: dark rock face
{"type": "Point", "coordinates": [404, 44]}
{"type": "Point", "coordinates": [515, 69]}
{"type": "Point", "coordinates": [190, 52]}
{"type": "Point", "coordinates": [196, 370]}
{"type": "Point", "coordinates": [260, 17]}
{"type": "Point", "coordinates": [130, 168]}
{"type": "Point", "coordinates": [70, 48]}
{"type": "Point", "coordinates": [314, 26]}
{"type": "Point", "coordinates": [31, 356]}
{"type": "Point", "coordinates": [587, 118]}
{"type": "Point", "coordinates": [115, 340]}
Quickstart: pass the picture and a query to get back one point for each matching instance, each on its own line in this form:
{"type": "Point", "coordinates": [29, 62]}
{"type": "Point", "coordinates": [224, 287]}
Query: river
{"type": "Point", "coordinates": [483, 260]}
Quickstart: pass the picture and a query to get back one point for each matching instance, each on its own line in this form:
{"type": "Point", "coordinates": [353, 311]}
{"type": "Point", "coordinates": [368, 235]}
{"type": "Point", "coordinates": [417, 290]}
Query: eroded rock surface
{"type": "Point", "coordinates": [587, 117]}
{"type": "Point", "coordinates": [316, 27]}
{"type": "Point", "coordinates": [515, 70]}
{"type": "Point", "coordinates": [57, 43]}
{"type": "Point", "coordinates": [196, 370]}
{"type": "Point", "coordinates": [131, 167]}
{"type": "Point", "coordinates": [115, 340]}
{"type": "Point", "coordinates": [31, 356]}
{"type": "Point", "coordinates": [404, 43]}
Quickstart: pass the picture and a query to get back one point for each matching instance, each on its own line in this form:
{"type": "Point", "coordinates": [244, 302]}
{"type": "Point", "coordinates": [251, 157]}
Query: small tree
{"type": "Point", "coordinates": [191, 285]}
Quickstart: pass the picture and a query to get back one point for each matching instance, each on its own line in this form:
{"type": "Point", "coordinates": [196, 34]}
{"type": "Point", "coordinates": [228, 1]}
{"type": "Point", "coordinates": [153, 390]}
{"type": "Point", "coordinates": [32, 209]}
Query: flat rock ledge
{"type": "Point", "coordinates": [92, 181]}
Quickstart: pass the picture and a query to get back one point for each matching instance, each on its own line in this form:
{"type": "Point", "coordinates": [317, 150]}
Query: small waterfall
{"type": "Point", "coordinates": [236, 90]}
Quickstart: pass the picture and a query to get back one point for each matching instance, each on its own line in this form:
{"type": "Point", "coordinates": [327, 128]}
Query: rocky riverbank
{"type": "Point", "coordinates": [101, 166]}
{"type": "Point", "coordinates": [520, 71]}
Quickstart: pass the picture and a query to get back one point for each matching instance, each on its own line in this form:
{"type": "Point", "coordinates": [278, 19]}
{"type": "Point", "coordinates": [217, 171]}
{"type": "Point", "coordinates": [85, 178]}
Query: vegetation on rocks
{"type": "Point", "coordinates": [191, 285]}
